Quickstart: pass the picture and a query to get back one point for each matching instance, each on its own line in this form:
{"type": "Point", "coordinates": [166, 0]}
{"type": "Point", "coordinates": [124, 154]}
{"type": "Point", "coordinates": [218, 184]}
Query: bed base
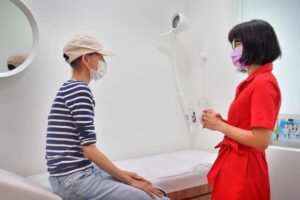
{"type": "Point", "coordinates": [201, 192]}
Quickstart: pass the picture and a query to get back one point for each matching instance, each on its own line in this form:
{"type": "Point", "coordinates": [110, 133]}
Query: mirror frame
{"type": "Point", "coordinates": [35, 39]}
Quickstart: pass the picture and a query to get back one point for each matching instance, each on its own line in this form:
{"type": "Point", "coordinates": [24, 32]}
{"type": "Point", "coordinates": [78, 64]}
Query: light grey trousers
{"type": "Point", "coordinates": [95, 184]}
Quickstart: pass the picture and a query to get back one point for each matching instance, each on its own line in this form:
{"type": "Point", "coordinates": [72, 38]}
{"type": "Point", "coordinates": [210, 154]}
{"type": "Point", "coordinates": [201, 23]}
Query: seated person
{"type": "Point", "coordinates": [78, 169]}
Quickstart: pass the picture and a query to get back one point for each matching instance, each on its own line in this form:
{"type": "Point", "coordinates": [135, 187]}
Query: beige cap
{"type": "Point", "coordinates": [81, 45]}
{"type": "Point", "coordinates": [16, 59]}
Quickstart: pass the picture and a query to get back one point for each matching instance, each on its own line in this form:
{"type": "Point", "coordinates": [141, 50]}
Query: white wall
{"type": "Point", "coordinates": [284, 17]}
{"type": "Point", "coordinates": [137, 110]}
{"type": "Point", "coordinates": [216, 79]}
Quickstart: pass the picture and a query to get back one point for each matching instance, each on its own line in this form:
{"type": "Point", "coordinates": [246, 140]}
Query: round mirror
{"type": "Point", "coordinates": [19, 37]}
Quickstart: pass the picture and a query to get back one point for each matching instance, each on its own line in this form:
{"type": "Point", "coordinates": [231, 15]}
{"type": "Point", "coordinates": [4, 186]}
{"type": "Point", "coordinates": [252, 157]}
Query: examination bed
{"type": "Point", "coordinates": [181, 174]}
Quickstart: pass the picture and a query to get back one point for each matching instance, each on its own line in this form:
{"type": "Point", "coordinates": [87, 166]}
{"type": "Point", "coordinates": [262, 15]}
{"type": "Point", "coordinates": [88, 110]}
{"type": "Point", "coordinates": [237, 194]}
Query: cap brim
{"type": "Point", "coordinates": [106, 52]}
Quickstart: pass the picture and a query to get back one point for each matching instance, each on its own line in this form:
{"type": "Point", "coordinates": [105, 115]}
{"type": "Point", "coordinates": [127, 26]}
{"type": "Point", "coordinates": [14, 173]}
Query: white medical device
{"type": "Point", "coordinates": [180, 23]}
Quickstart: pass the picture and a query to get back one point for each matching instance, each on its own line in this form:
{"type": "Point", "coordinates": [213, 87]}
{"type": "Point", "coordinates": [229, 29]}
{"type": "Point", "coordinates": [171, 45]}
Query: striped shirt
{"type": "Point", "coordinates": [70, 127]}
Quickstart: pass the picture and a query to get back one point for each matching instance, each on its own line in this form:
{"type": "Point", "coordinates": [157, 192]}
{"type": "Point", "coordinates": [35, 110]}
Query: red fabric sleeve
{"type": "Point", "coordinates": [264, 105]}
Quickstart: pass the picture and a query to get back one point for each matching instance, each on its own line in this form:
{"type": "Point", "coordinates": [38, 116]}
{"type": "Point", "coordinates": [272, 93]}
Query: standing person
{"type": "Point", "coordinates": [78, 169]}
{"type": "Point", "coordinates": [241, 172]}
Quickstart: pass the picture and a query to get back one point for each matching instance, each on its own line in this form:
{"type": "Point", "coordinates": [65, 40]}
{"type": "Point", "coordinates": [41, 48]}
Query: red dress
{"type": "Point", "coordinates": [241, 172]}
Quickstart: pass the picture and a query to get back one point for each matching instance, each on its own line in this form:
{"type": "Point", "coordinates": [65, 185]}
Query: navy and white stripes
{"type": "Point", "coordinates": [70, 127]}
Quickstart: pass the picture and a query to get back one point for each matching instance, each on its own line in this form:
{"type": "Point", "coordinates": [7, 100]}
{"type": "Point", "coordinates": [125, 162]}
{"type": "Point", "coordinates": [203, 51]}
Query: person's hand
{"type": "Point", "coordinates": [135, 176]}
{"type": "Point", "coordinates": [146, 187]}
{"type": "Point", "coordinates": [143, 184]}
{"type": "Point", "coordinates": [211, 111]}
{"type": "Point", "coordinates": [211, 120]}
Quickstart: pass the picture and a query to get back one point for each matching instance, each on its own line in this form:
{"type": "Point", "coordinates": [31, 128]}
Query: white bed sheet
{"type": "Point", "coordinates": [173, 171]}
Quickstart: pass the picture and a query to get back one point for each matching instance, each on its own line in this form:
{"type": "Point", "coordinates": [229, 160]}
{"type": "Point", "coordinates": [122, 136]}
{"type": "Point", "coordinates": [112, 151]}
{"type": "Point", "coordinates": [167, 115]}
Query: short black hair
{"type": "Point", "coordinates": [77, 61]}
{"type": "Point", "coordinates": [259, 40]}
{"type": "Point", "coordinates": [11, 67]}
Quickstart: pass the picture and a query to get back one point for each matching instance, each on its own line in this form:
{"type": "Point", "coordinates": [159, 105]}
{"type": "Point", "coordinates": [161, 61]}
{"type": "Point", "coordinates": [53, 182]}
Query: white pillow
{"type": "Point", "coordinates": [15, 187]}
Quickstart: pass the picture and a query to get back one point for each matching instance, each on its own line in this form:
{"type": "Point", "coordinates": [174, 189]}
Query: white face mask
{"type": "Point", "coordinates": [100, 72]}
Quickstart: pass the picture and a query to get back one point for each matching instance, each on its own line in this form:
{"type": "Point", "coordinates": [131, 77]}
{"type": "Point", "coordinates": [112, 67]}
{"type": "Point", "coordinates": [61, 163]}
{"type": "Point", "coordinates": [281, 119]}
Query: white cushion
{"type": "Point", "coordinates": [15, 187]}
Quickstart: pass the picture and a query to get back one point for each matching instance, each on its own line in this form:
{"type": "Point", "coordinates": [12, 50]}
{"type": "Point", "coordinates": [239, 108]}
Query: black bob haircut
{"type": "Point", "coordinates": [260, 43]}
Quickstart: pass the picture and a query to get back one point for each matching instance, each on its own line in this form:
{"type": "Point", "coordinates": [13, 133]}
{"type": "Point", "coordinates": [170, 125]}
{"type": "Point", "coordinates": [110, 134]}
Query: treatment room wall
{"type": "Point", "coordinates": [137, 110]}
{"type": "Point", "coordinates": [213, 78]}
